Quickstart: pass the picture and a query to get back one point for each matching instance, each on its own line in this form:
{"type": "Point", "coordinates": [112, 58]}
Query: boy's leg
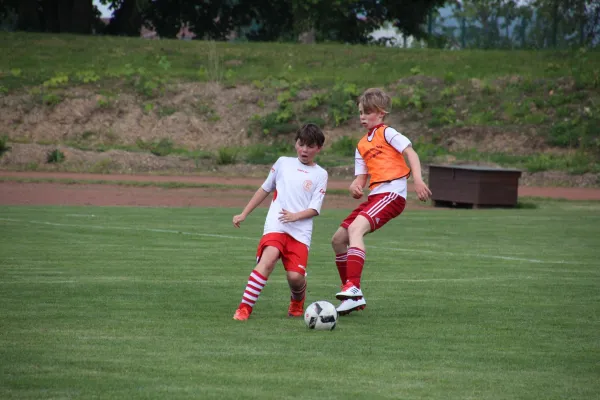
{"type": "Point", "coordinates": [297, 283]}
{"type": "Point", "coordinates": [339, 243]}
{"type": "Point", "coordinates": [257, 281]}
{"type": "Point", "coordinates": [351, 294]}
{"type": "Point", "coordinates": [380, 209]}
{"type": "Point", "coordinates": [356, 258]}
{"type": "Point", "coordinates": [295, 260]}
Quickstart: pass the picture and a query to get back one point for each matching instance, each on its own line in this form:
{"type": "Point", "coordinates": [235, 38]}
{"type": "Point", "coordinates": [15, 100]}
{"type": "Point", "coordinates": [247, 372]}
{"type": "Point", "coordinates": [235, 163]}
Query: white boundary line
{"type": "Point", "coordinates": [397, 249]}
{"type": "Point", "coordinates": [120, 279]}
{"type": "Point", "coordinates": [127, 228]}
{"type": "Point", "coordinates": [448, 253]}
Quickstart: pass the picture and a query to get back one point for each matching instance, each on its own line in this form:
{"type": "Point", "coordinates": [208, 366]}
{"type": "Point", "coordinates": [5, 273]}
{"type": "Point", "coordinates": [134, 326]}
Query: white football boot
{"type": "Point", "coordinates": [349, 291]}
{"type": "Point", "coordinates": [349, 305]}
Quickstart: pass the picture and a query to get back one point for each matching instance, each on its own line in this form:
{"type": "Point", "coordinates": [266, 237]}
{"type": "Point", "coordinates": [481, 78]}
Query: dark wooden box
{"type": "Point", "coordinates": [473, 186]}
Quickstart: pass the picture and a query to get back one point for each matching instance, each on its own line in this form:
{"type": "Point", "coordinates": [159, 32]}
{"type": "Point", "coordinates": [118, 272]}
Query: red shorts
{"type": "Point", "coordinates": [378, 209]}
{"type": "Point", "coordinates": [294, 254]}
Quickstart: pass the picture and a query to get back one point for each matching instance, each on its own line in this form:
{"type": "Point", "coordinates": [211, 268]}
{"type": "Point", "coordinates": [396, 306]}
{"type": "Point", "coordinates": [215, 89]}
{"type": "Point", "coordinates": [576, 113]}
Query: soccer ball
{"type": "Point", "coordinates": [321, 316]}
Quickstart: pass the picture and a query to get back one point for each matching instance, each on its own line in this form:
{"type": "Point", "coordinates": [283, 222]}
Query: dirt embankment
{"type": "Point", "coordinates": [205, 117]}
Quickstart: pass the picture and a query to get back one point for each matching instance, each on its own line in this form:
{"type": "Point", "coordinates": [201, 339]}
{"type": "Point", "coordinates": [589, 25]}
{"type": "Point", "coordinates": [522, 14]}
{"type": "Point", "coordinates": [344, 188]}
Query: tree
{"type": "Point", "coordinates": [484, 16]}
{"type": "Point", "coordinates": [347, 21]}
{"type": "Point", "coordinates": [566, 23]}
{"type": "Point", "coordinates": [524, 15]}
{"type": "Point", "coordinates": [508, 13]}
{"type": "Point", "coordinates": [207, 19]}
{"type": "Point", "coordinates": [29, 14]}
{"type": "Point", "coordinates": [75, 16]}
{"type": "Point", "coordinates": [128, 16]}
{"type": "Point", "coordinates": [408, 16]}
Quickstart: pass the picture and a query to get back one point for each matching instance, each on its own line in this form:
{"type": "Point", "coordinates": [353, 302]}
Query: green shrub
{"type": "Point", "coordinates": [55, 156]}
{"type": "Point", "coordinates": [416, 70]}
{"type": "Point", "coordinates": [576, 163]}
{"type": "Point", "coordinates": [449, 78]}
{"type": "Point", "coordinates": [481, 118]}
{"type": "Point", "coordinates": [87, 76]}
{"type": "Point", "coordinates": [428, 151]}
{"type": "Point", "coordinates": [342, 103]}
{"type": "Point", "coordinates": [277, 123]}
{"type": "Point", "coordinates": [540, 162]}
{"type": "Point", "coordinates": [344, 146]}
{"type": "Point", "coordinates": [416, 99]}
{"type": "Point", "coordinates": [4, 147]}
{"type": "Point", "coordinates": [442, 116]}
{"type": "Point", "coordinates": [227, 155]}
{"type": "Point", "coordinates": [580, 132]}
{"type": "Point", "coordinates": [159, 148]}
{"type": "Point", "coordinates": [264, 154]}
{"type": "Point", "coordinates": [315, 101]}
{"type": "Point", "coordinates": [106, 102]}
{"type": "Point", "coordinates": [51, 99]}
{"type": "Point", "coordinates": [449, 92]}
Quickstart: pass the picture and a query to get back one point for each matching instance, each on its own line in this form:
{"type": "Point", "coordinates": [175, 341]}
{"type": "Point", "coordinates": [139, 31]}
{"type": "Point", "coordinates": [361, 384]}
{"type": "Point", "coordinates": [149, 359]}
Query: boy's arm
{"type": "Point", "coordinates": [421, 188]}
{"type": "Point", "coordinates": [357, 185]}
{"type": "Point", "coordinates": [286, 216]}
{"type": "Point", "coordinates": [254, 202]}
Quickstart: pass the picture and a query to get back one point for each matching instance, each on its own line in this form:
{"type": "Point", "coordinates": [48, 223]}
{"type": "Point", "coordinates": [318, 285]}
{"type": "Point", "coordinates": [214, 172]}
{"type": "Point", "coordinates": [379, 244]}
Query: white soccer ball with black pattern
{"type": "Point", "coordinates": [321, 316]}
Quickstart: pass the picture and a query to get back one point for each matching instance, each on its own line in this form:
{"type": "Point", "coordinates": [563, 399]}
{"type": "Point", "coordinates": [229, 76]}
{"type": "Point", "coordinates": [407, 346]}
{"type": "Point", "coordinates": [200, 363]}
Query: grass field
{"type": "Point", "coordinates": [136, 303]}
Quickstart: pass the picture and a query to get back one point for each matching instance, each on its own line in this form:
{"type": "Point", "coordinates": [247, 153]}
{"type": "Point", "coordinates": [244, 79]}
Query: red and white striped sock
{"type": "Point", "coordinates": [341, 262]}
{"type": "Point", "coordinates": [298, 294]}
{"type": "Point", "coordinates": [356, 262]}
{"type": "Point", "coordinates": [256, 283]}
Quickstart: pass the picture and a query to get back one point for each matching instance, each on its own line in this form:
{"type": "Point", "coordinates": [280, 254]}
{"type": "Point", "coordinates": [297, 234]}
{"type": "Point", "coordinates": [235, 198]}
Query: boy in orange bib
{"type": "Point", "coordinates": [380, 159]}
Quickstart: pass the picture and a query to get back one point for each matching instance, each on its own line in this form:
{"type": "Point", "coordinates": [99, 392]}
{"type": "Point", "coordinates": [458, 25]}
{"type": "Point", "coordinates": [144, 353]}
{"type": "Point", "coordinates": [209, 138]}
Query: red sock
{"type": "Point", "coordinates": [256, 283]}
{"type": "Point", "coordinates": [356, 262]}
{"type": "Point", "coordinates": [341, 262]}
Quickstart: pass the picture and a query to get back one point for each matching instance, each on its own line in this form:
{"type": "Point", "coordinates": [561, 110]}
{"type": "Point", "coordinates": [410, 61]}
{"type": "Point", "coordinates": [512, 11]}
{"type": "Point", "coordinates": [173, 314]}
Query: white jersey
{"type": "Point", "coordinates": [399, 142]}
{"type": "Point", "coordinates": [296, 187]}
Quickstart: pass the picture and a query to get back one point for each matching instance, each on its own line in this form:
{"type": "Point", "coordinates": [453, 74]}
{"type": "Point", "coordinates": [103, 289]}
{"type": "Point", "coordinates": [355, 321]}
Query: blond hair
{"type": "Point", "coordinates": [375, 100]}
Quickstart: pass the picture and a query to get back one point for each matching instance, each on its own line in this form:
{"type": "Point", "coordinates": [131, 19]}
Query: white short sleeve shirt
{"type": "Point", "coordinates": [296, 187]}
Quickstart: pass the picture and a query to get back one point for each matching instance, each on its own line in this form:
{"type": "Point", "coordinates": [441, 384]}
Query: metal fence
{"type": "Point", "coordinates": [525, 27]}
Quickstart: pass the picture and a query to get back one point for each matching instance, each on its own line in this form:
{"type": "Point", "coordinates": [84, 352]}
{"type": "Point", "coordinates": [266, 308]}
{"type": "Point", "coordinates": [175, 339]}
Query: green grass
{"type": "Point", "coordinates": [137, 303]}
{"type": "Point", "coordinates": [164, 185]}
{"type": "Point", "coordinates": [36, 58]}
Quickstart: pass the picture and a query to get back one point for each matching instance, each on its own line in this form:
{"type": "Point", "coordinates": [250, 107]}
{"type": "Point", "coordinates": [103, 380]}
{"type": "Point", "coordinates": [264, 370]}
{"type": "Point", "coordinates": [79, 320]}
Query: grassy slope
{"type": "Point", "coordinates": [41, 56]}
{"type": "Point", "coordinates": [556, 94]}
{"type": "Point", "coordinates": [137, 303]}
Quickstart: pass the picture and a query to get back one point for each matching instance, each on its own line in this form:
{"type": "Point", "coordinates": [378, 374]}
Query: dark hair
{"type": "Point", "coordinates": [310, 134]}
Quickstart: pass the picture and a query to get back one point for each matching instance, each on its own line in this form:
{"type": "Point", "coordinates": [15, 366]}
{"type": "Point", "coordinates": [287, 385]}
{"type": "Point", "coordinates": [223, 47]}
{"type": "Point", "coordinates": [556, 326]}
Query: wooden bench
{"type": "Point", "coordinates": [473, 186]}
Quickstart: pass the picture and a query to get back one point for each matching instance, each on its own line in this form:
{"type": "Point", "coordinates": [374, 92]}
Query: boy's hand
{"type": "Point", "coordinates": [356, 190]}
{"type": "Point", "coordinates": [286, 216]}
{"type": "Point", "coordinates": [422, 190]}
{"type": "Point", "coordinates": [237, 219]}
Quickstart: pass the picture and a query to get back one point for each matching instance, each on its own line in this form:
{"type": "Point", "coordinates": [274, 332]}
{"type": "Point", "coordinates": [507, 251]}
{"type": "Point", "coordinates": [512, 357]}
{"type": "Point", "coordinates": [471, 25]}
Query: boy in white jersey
{"type": "Point", "coordinates": [298, 186]}
{"type": "Point", "coordinates": [380, 159]}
